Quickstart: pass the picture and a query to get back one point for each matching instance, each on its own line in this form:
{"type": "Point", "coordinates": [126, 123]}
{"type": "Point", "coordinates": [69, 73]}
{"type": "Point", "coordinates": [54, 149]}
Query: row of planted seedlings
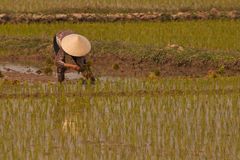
{"type": "Point", "coordinates": [188, 126]}
{"type": "Point", "coordinates": [124, 86]}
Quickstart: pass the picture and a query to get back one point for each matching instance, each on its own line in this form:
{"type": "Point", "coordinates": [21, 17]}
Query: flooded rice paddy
{"type": "Point", "coordinates": [165, 118]}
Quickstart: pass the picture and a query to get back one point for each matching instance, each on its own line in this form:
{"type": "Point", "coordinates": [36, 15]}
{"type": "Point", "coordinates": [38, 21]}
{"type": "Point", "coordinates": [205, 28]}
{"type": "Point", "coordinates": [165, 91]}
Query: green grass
{"type": "Point", "coordinates": [216, 35]}
{"type": "Point", "coordinates": [208, 40]}
{"type": "Point", "coordinates": [171, 118]}
{"type": "Point", "coordinates": [112, 5]}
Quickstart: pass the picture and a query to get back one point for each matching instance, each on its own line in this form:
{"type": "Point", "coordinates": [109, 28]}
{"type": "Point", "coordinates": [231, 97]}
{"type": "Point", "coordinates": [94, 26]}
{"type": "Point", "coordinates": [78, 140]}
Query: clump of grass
{"type": "Point", "coordinates": [154, 74]}
{"type": "Point", "coordinates": [221, 70]}
{"type": "Point", "coordinates": [116, 67]}
{"type": "Point", "coordinates": [49, 60]}
{"type": "Point", "coordinates": [1, 75]}
{"type": "Point", "coordinates": [212, 74]}
{"type": "Point", "coordinates": [48, 70]}
{"type": "Point", "coordinates": [89, 63]}
{"type": "Point", "coordinates": [157, 73]}
{"type": "Point", "coordinates": [39, 71]}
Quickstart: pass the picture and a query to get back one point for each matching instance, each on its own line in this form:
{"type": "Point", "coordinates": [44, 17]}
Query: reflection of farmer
{"type": "Point", "coordinates": [77, 46]}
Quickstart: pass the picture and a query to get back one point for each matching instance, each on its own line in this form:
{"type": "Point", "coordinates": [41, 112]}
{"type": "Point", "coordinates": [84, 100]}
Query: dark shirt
{"type": "Point", "coordinates": [59, 52]}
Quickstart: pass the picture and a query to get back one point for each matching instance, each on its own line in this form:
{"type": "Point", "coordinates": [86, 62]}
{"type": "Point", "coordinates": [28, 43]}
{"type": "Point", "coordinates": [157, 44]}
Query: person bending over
{"type": "Point", "coordinates": [76, 46]}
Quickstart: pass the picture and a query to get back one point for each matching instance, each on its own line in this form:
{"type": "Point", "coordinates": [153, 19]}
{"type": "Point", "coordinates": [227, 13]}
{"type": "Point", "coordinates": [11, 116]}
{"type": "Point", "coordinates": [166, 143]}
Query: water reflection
{"type": "Point", "coordinates": [27, 69]}
{"type": "Point", "coordinates": [67, 114]}
{"type": "Point", "coordinates": [7, 67]}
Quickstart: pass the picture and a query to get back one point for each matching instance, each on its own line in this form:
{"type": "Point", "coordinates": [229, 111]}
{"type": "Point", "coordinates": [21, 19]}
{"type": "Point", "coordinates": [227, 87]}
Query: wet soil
{"type": "Point", "coordinates": [105, 65]}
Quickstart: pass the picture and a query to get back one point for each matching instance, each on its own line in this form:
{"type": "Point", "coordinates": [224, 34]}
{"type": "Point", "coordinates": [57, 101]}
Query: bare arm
{"type": "Point", "coordinates": [72, 66]}
{"type": "Point", "coordinates": [60, 61]}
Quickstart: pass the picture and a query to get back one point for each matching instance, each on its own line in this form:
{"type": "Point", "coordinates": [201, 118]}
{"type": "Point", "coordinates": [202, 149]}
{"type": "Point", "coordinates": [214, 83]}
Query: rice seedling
{"type": "Point", "coordinates": [116, 67]}
{"type": "Point", "coordinates": [165, 118]}
{"type": "Point", "coordinates": [48, 70]}
{"type": "Point", "coordinates": [1, 75]}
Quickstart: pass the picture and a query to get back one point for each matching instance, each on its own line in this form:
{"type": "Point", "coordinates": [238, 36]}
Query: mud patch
{"type": "Point", "coordinates": [127, 66]}
{"type": "Point", "coordinates": [136, 67]}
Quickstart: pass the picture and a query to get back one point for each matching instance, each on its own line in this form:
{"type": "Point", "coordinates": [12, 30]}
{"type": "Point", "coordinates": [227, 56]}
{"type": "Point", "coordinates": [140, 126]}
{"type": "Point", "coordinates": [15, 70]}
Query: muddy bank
{"type": "Point", "coordinates": [98, 17]}
{"type": "Point", "coordinates": [123, 66]}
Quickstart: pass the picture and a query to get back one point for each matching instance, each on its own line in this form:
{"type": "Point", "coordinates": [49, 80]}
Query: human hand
{"type": "Point", "coordinates": [76, 67]}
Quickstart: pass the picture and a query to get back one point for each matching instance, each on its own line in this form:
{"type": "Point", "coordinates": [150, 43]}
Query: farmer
{"type": "Point", "coordinates": [77, 46]}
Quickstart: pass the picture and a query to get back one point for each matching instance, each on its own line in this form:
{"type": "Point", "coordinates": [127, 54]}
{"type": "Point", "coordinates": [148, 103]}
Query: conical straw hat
{"type": "Point", "coordinates": [76, 45]}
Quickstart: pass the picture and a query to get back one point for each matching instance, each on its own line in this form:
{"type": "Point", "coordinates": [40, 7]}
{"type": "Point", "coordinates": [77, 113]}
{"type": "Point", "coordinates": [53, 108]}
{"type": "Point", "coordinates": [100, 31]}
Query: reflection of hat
{"type": "Point", "coordinates": [76, 45]}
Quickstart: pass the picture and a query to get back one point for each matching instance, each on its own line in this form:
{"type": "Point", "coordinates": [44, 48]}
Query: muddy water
{"type": "Point", "coordinates": [7, 67]}
{"type": "Point", "coordinates": [34, 70]}
{"type": "Point", "coordinates": [27, 69]}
